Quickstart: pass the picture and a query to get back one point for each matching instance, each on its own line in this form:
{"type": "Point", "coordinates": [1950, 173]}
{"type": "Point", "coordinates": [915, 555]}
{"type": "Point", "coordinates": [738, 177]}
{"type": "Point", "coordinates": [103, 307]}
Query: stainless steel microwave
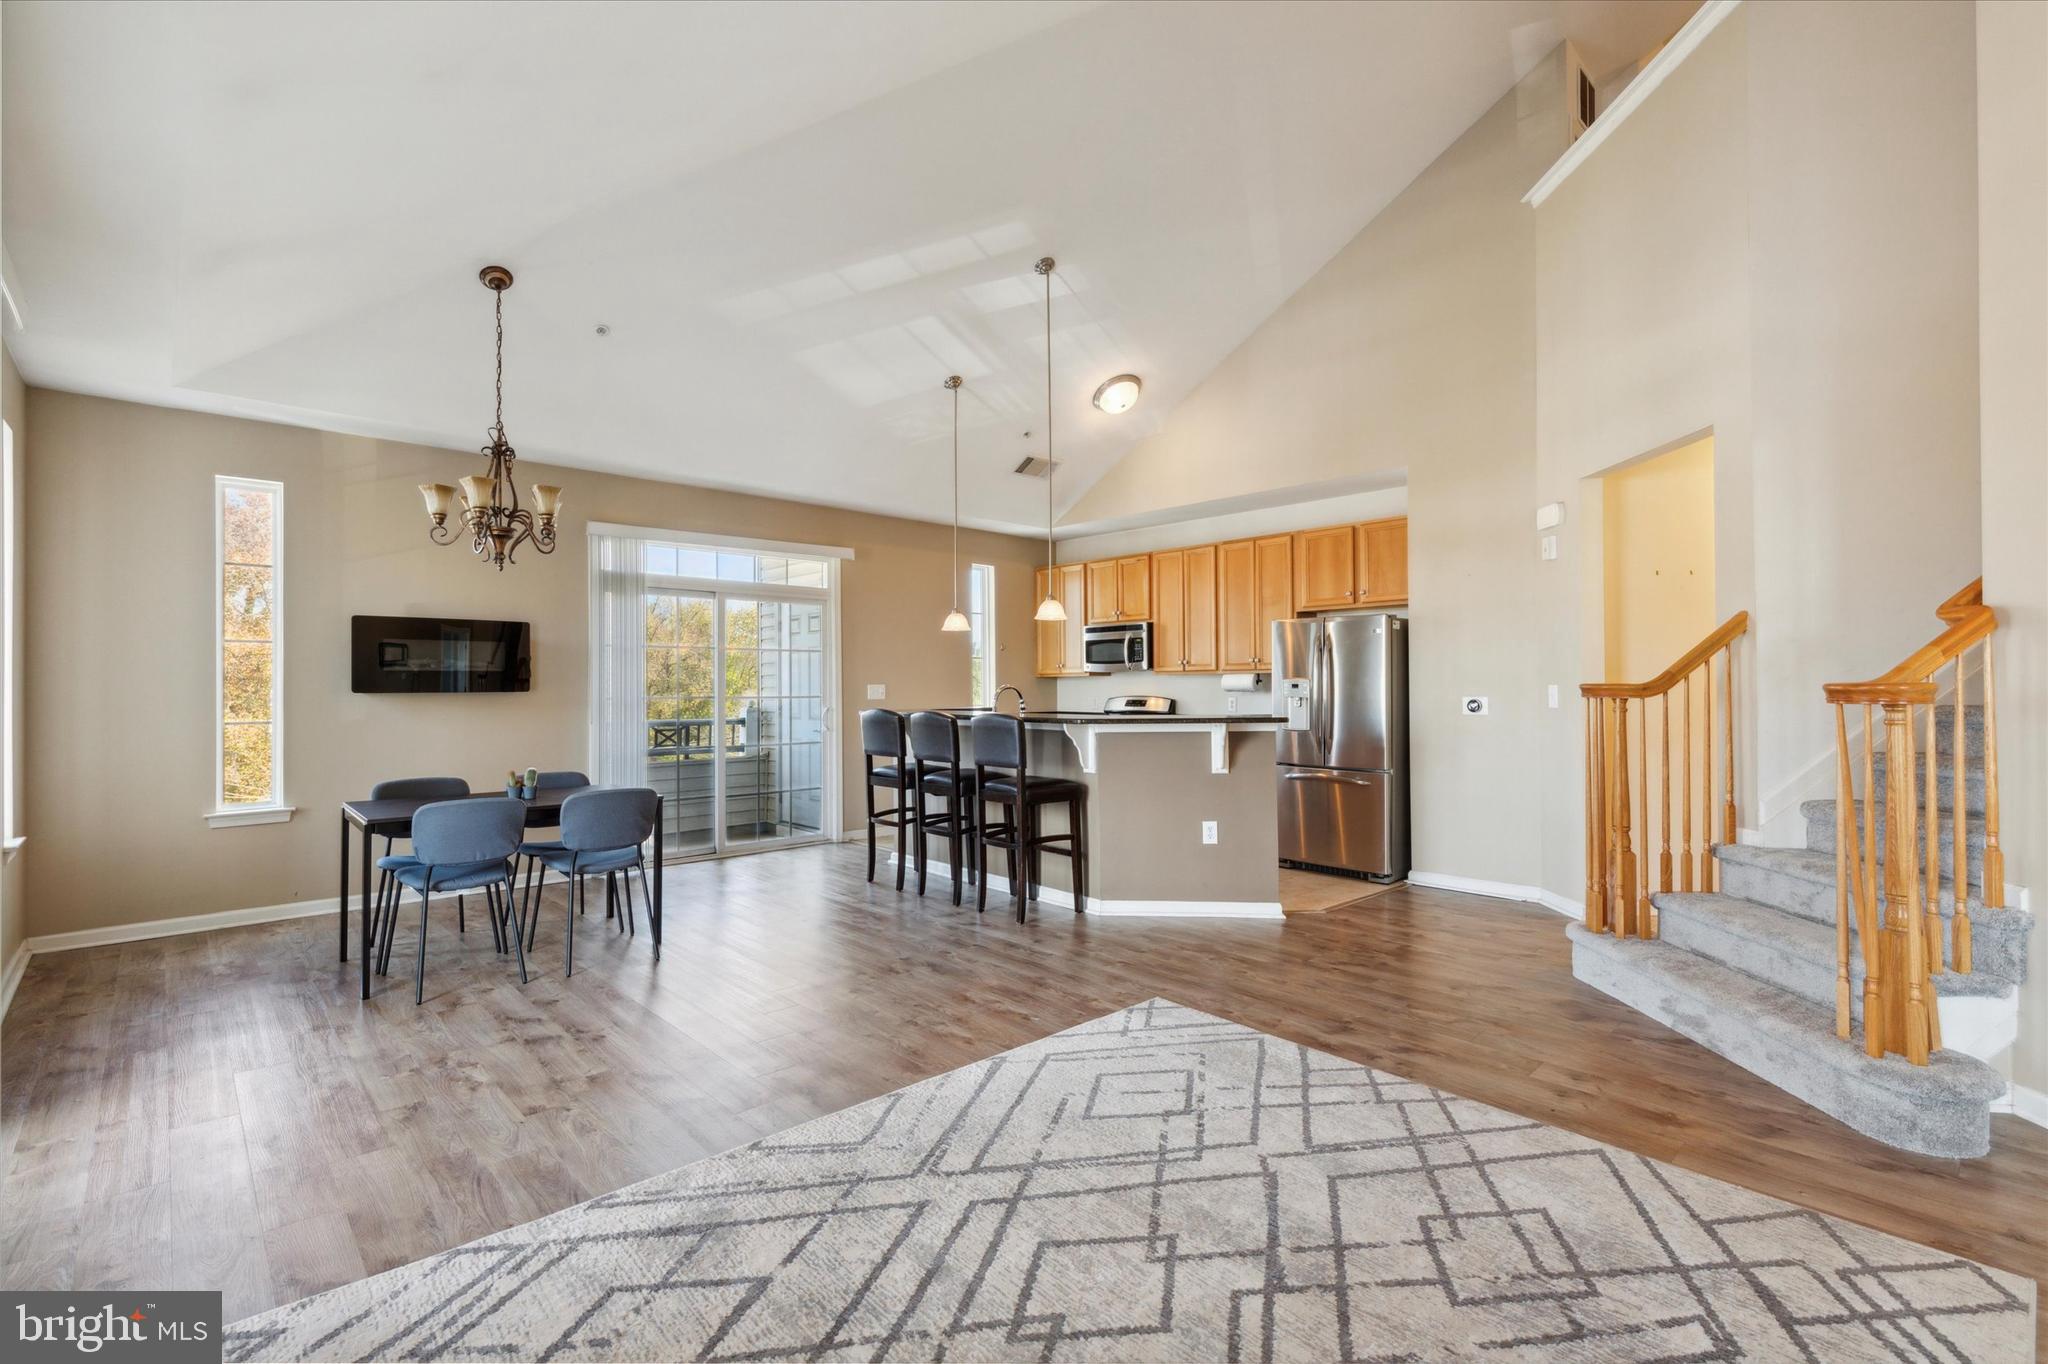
{"type": "Point", "coordinates": [1125, 647]}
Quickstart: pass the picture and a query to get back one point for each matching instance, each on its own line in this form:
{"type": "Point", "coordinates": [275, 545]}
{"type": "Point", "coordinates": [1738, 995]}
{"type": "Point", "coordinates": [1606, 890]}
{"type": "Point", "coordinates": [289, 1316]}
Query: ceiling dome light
{"type": "Point", "coordinates": [1120, 394]}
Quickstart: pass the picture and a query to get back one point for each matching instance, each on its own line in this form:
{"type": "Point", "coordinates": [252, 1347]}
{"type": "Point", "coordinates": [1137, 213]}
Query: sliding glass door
{"type": "Point", "coordinates": [736, 715]}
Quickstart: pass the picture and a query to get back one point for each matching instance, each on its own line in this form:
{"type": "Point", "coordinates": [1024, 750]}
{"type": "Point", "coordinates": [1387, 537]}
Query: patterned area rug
{"type": "Point", "coordinates": [1164, 1185]}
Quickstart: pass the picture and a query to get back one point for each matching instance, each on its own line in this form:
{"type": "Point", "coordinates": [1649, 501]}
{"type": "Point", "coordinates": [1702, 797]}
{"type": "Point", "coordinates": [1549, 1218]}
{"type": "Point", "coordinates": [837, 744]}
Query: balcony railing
{"type": "Point", "coordinates": [772, 789]}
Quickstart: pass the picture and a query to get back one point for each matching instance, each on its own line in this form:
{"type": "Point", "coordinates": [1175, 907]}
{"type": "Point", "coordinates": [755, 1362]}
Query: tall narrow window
{"type": "Point", "coordinates": [981, 623]}
{"type": "Point", "coordinates": [249, 540]}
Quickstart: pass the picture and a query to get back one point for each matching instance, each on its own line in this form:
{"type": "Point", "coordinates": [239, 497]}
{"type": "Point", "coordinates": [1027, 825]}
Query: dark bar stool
{"type": "Point", "coordinates": [883, 735]}
{"type": "Point", "coordinates": [1002, 777]}
{"type": "Point", "coordinates": [935, 759]}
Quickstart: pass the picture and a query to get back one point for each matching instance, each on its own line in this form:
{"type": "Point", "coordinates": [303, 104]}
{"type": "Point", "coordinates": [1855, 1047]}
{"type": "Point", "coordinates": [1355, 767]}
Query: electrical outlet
{"type": "Point", "coordinates": [1552, 696]}
{"type": "Point", "coordinates": [1230, 704]}
{"type": "Point", "coordinates": [878, 691]}
{"type": "Point", "coordinates": [1474, 705]}
{"type": "Point", "coordinates": [1208, 831]}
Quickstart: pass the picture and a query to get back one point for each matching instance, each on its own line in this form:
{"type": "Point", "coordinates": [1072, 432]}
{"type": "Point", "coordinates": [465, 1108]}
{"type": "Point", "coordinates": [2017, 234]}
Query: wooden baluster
{"type": "Point", "coordinates": [1708, 868]}
{"type": "Point", "coordinates": [1903, 943]}
{"type": "Point", "coordinates": [1664, 799]}
{"type": "Point", "coordinates": [1902, 882]}
{"type": "Point", "coordinates": [1875, 978]}
{"type": "Point", "coordinates": [1728, 747]}
{"type": "Point", "coordinates": [1959, 933]}
{"type": "Point", "coordinates": [1844, 859]}
{"type": "Point", "coordinates": [1644, 927]}
{"type": "Point", "coordinates": [1603, 818]}
{"type": "Point", "coordinates": [1686, 850]}
{"type": "Point", "coordinates": [1994, 856]}
{"type": "Point", "coordinates": [1596, 919]}
{"type": "Point", "coordinates": [1931, 902]}
{"type": "Point", "coordinates": [1625, 854]}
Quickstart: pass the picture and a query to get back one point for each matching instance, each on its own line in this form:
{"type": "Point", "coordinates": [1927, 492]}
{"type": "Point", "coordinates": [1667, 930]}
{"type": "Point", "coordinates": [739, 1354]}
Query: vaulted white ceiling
{"type": "Point", "coordinates": [796, 219]}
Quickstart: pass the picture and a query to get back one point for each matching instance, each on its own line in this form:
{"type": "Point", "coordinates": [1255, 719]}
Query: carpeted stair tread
{"type": "Point", "coordinates": [1785, 950]}
{"type": "Point", "coordinates": [1938, 1109]}
{"type": "Point", "coordinates": [1944, 781]}
{"type": "Point", "coordinates": [1820, 834]}
{"type": "Point", "coordinates": [1802, 882]}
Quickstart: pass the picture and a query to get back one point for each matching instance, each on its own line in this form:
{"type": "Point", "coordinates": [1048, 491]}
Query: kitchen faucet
{"type": "Point", "coordinates": [998, 699]}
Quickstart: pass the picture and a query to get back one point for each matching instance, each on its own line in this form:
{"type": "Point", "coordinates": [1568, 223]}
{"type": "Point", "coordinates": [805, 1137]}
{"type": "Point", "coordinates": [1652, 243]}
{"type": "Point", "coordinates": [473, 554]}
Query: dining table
{"type": "Point", "coordinates": [375, 819]}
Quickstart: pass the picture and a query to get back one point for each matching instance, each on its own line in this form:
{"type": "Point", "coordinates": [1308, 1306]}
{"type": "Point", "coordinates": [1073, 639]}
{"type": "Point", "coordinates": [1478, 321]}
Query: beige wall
{"type": "Point", "coordinates": [1413, 349]}
{"type": "Point", "coordinates": [2012, 225]}
{"type": "Point", "coordinates": [120, 762]}
{"type": "Point", "coordinates": [1658, 559]}
{"type": "Point", "coordinates": [13, 870]}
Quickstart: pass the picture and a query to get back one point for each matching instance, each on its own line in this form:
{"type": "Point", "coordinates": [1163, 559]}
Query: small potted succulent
{"type": "Point", "coordinates": [512, 783]}
{"type": "Point", "coordinates": [531, 785]}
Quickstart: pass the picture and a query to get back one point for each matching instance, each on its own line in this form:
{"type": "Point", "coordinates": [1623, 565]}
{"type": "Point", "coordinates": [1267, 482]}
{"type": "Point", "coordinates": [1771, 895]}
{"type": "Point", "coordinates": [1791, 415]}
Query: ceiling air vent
{"type": "Point", "coordinates": [1032, 466]}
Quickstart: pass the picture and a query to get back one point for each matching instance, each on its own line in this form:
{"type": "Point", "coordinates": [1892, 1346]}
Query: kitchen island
{"type": "Point", "coordinates": [1153, 782]}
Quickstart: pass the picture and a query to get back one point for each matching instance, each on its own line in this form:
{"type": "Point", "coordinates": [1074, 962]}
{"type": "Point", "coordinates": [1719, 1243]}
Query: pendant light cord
{"type": "Point", "coordinates": [1045, 269]}
{"type": "Point", "coordinates": [954, 384]}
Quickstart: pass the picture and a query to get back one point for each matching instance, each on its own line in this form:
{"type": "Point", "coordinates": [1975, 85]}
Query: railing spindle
{"type": "Point", "coordinates": [1595, 918]}
{"type": "Point", "coordinates": [1686, 849]}
{"type": "Point", "coordinates": [1867, 924]}
{"type": "Point", "coordinates": [1931, 902]}
{"type": "Point", "coordinates": [1728, 748]}
{"type": "Point", "coordinates": [1899, 854]}
{"type": "Point", "coordinates": [1994, 856]}
{"type": "Point", "coordinates": [1643, 923]}
{"type": "Point", "coordinates": [1664, 799]}
{"type": "Point", "coordinates": [1844, 858]}
{"type": "Point", "coordinates": [1959, 934]}
{"type": "Point", "coordinates": [1708, 867]}
{"type": "Point", "coordinates": [1625, 918]}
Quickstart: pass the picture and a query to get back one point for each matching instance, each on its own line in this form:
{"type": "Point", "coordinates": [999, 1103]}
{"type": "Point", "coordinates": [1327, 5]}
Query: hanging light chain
{"type": "Point", "coordinates": [953, 382]}
{"type": "Point", "coordinates": [1044, 268]}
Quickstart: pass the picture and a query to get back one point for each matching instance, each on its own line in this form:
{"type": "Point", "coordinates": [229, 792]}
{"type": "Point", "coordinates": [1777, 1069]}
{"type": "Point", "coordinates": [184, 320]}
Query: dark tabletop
{"type": "Point", "coordinates": [1096, 717]}
{"type": "Point", "coordinates": [546, 803]}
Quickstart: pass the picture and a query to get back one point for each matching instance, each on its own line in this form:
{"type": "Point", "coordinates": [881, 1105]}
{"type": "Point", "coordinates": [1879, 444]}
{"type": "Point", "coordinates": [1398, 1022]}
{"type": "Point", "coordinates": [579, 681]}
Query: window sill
{"type": "Point", "coordinates": [253, 814]}
{"type": "Point", "coordinates": [12, 846]}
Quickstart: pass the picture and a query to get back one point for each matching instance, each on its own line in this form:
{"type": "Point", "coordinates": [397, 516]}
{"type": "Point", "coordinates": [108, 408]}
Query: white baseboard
{"type": "Point", "coordinates": [1163, 909]}
{"type": "Point", "coordinates": [2022, 1102]}
{"type": "Point", "coordinates": [1500, 890]}
{"type": "Point", "coordinates": [16, 964]}
{"type": "Point", "coordinates": [167, 928]}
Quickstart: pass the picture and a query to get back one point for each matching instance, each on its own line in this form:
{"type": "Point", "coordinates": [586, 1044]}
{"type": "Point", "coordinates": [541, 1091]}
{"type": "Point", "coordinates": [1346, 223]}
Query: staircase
{"type": "Point", "coordinates": [1757, 968]}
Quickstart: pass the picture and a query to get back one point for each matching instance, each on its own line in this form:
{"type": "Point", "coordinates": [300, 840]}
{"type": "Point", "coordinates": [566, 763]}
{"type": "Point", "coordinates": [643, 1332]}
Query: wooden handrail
{"type": "Point", "coordinates": [1677, 672]}
{"type": "Point", "coordinates": [1618, 882]}
{"type": "Point", "coordinates": [1896, 904]}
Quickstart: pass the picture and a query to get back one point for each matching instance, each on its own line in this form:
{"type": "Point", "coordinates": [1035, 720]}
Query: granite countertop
{"type": "Point", "coordinates": [1096, 717]}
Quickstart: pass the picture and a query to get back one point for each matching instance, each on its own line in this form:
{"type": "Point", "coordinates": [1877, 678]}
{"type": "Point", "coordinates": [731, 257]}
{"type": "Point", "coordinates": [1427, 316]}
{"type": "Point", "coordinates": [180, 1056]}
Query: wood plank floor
{"type": "Point", "coordinates": [219, 1110]}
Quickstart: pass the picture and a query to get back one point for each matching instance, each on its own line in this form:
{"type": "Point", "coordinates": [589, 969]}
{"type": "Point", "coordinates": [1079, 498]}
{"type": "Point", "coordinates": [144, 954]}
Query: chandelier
{"type": "Point", "coordinates": [491, 513]}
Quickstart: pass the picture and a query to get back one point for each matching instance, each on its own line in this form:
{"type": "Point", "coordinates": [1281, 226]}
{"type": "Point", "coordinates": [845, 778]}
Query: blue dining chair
{"type": "Point", "coordinates": [463, 845]}
{"type": "Point", "coordinates": [408, 788]}
{"type": "Point", "coordinates": [602, 830]}
{"type": "Point", "coordinates": [532, 848]}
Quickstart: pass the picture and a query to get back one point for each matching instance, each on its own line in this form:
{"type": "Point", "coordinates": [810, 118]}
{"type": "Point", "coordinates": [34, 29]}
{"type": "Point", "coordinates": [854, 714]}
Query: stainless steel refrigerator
{"type": "Point", "coordinates": [1341, 683]}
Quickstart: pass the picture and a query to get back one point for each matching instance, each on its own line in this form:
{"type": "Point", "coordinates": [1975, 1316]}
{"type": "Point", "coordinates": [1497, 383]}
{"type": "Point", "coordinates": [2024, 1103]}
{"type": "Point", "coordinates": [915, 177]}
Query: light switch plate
{"type": "Point", "coordinates": [1473, 705]}
{"type": "Point", "coordinates": [878, 691]}
{"type": "Point", "coordinates": [1550, 514]}
{"type": "Point", "coordinates": [1552, 690]}
{"type": "Point", "coordinates": [1547, 547]}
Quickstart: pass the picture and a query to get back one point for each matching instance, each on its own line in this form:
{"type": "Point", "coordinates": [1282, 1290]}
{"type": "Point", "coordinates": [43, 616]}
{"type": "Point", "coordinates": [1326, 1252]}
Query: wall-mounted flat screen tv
{"type": "Point", "coordinates": [433, 654]}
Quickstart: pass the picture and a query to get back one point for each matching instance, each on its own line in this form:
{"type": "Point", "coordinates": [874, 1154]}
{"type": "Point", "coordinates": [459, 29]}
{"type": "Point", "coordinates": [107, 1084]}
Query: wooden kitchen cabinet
{"type": "Point", "coordinates": [1120, 589]}
{"type": "Point", "coordinates": [1254, 588]}
{"type": "Point", "coordinates": [1059, 641]}
{"type": "Point", "coordinates": [1382, 561]}
{"type": "Point", "coordinates": [1326, 564]}
{"type": "Point", "coordinates": [1184, 610]}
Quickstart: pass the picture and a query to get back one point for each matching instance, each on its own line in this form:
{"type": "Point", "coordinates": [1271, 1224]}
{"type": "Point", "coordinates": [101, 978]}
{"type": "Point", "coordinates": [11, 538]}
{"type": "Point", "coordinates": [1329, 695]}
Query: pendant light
{"type": "Point", "coordinates": [497, 525]}
{"type": "Point", "coordinates": [956, 623]}
{"type": "Point", "coordinates": [1050, 608]}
